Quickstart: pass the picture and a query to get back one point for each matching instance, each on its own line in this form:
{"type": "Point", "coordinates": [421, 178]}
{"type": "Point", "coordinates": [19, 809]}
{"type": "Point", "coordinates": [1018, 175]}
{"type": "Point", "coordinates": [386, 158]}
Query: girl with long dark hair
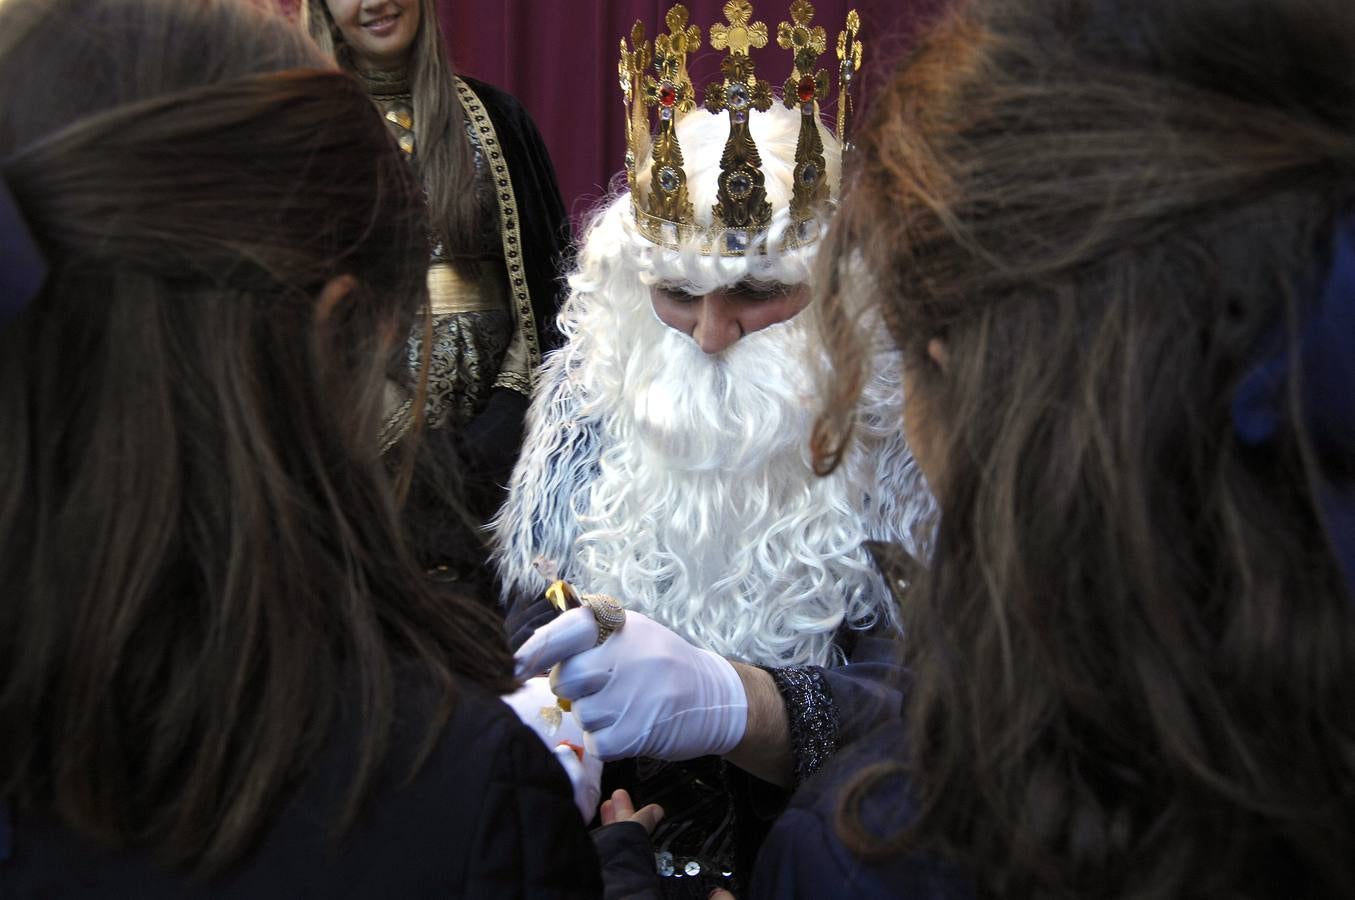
{"type": "Point", "coordinates": [221, 669]}
{"type": "Point", "coordinates": [1115, 243]}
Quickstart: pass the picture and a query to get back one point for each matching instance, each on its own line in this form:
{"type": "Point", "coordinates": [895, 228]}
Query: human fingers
{"type": "Point", "coordinates": [622, 805]}
{"type": "Point", "coordinates": [568, 634]}
{"type": "Point", "coordinates": [649, 816]}
{"type": "Point", "coordinates": [596, 711]}
{"type": "Point", "coordinates": [623, 810]}
{"type": "Point", "coordinates": [609, 742]}
{"type": "Point", "coordinates": [581, 676]}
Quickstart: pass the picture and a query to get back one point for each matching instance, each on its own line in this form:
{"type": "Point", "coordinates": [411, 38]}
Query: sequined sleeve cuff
{"type": "Point", "coordinates": [515, 372]}
{"type": "Point", "coordinates": [811, 715]}
{"type": "Point", "coordinates": [514, 381]}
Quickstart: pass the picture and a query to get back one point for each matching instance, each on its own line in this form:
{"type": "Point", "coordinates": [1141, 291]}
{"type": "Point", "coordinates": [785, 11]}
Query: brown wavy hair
{"type": "Point", "coordinates": [443, 152]}
{"type": "Point", "coordinates": [202, 556]}
{"type": "Point", "coordinates": [1133, 656]}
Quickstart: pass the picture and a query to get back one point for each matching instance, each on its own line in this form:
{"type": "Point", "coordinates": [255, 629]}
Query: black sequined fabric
{"type": "Point", "coordinates": [715, 815]}
{"type": "Point", "coordinates": [696, 845]}
{"type": "Point", "coordinates": [812, 717]}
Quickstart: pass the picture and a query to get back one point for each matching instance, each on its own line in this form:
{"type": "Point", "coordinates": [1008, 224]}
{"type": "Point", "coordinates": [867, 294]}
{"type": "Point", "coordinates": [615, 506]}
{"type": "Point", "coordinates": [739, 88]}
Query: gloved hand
{"type": "Point", "coordinates": [536, 707]}
{"type": "Point", "coordinates": [643, 692]}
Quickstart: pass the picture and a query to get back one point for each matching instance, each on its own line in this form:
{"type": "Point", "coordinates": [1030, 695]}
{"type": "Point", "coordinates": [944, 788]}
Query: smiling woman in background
{"type": "Point", "coordinates": [498, 230]}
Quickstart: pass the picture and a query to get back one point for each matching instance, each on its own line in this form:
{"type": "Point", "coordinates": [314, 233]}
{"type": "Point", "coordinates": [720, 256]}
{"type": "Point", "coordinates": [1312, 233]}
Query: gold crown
{"type": "Point", "coordinates": [741, 214]}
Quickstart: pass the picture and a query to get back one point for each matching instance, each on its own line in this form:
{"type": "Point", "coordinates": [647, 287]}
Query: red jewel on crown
{"type": "Point", "coordinates": [668, 95]}
{"type": "Point", "coordinates": [807, 88]}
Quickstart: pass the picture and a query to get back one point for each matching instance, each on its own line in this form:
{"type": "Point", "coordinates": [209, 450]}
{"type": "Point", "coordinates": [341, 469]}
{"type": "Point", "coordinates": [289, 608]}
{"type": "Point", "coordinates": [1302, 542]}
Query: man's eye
{"type": "Point", "coordinates": [759, 293]}
{"type": "Point", "coordinates": [676, 295]}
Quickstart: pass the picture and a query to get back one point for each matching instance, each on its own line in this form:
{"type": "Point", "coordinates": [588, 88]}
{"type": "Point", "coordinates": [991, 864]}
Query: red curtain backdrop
{"type": "Point", "coordinates": [559, 58]}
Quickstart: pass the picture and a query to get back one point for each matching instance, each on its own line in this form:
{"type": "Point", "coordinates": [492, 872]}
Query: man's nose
{"type": "Point", "coordinates": [717, 326]}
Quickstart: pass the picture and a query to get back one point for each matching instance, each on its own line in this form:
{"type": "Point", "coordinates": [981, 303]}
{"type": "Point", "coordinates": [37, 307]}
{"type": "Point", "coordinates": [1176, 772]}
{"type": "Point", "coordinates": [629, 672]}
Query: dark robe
{"type": "Point", "coordinates": [470, 465]}
{"type": "Point", "coordinates": [804, 857]}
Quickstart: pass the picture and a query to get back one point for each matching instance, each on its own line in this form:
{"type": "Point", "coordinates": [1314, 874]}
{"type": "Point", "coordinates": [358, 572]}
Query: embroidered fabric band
{"type": "Point", "coordinates": [22, 266]}
{"type": "Point", "coordinates": [811, 715]}
{"type": "Point", "coordinates": [478, 120]}
{"type": "Point", "coordinates": [1326, 373]}
{"type": "Point", "coordinates": [451, 292]}
{"type": "Point", "coordinates": [398, 424]}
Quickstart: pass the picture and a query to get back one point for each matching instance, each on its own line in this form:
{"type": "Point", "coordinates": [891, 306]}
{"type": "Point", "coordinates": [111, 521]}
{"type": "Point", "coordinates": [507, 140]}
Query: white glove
{"type": "Point", "coordinates": [536, 707]}
{"type": "Point", "coordinates": [643, 692]}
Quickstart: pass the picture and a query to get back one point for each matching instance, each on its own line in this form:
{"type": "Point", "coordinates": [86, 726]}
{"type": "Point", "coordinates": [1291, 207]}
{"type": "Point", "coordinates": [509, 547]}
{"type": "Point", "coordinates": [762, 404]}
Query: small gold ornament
{"type": "Point", "coordinates": [670, 93]}
{"type": "Point", "coordinates": [562, 596]}
{"type": "Point", "coordinates": [849, 63]}
{"type": "Point", "coordinates": [741, 205]}
{"type": "Point", "coordinates": [636, 58]}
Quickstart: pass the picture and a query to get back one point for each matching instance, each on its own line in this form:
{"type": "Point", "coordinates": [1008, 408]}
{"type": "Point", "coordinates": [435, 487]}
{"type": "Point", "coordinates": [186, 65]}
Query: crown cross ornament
{"type": "Point", "coordinates": [808, 89]}
{"type": "Point", "coordinates": [683, 39]}
{"type": "Point", "coordinates": [670, 93]}
{"type": "Point", "coordinates": [632, 68]}
{"type": "Point", "coordinates": [849, 63]}
{"type": "Point", "coordinates": [741, 204]}
{"type": "Point", "coordinates": [742, 212]}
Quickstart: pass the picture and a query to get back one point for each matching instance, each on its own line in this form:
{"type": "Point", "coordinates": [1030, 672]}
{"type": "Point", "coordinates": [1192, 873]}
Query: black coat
{"type": "Point", "coordinates": [803, 857]}
{"type": "Point", "coordinates": [489, 815]}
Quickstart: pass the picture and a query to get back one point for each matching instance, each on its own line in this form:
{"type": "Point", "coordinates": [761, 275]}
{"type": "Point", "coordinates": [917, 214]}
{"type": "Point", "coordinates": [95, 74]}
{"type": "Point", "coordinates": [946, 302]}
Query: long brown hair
{"type": "Point", "coordinates": [442, 149]}
{"type": "Point", "coordinates": [201, 550]}
{"type": "Point", "coordinates": [1133, 656]}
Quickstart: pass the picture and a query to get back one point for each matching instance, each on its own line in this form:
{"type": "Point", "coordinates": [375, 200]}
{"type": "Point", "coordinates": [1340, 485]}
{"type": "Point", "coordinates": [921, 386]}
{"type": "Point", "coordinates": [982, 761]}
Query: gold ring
{"type": "Point", "coordinates": [607, 612]}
